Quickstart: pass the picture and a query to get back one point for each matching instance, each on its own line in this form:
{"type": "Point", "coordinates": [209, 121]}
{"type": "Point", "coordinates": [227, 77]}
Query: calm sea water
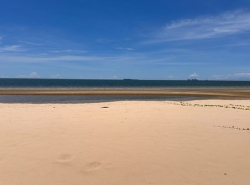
{"type": "Point", "coordinates": [81, 84]}
{"type": "Point", "coordinates": [70, 83]}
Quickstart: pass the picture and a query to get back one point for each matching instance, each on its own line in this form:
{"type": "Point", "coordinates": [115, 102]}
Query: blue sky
{"type": "Point", "coordinates": [112, 39]}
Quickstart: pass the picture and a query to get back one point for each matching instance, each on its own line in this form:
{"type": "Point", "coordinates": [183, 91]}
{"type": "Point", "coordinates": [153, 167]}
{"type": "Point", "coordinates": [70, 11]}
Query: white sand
{"type": "Point", "coordinates": [129, 143]}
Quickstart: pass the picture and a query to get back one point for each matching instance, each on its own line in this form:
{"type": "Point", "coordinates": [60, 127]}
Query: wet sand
{"type": "Point", "coordinates": [126, 142]}
{"type": "Point", "coordinates": [198, 92]}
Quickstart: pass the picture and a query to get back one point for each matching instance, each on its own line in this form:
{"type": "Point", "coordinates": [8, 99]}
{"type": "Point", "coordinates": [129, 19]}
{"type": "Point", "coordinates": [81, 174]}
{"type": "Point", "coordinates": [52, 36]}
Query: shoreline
{"type": "Point", "coordinates": [173, 92]}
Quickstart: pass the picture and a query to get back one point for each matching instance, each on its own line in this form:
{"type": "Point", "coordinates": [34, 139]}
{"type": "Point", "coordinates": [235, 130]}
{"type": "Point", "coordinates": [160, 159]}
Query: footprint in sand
{"type": "Point", "coordinates": [65, 157]}
{"type": "Point", "coordinates": [109, 166]}
{"type": "Point", "coordinates": [13, 145]}
{"type": "Point", "coordinates": [90, 167]}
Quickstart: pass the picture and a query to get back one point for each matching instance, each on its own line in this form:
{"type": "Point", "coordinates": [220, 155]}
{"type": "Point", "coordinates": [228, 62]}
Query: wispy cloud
{"type": "Point", "coordinates": [178, 63]}
{"type": "Point", "coordinates": [31, 43]}
{"type": "Point", "coordinates": [12, 48]}
{"type": "Point", "coordinates": [238, 44]}
{"type": "Point", "coordinates": [30, 59]}
{"type": "Point", "coordinates": [242, 74]}
{"type": "Point", "coordinates": [103, 40]}
{"type": "Point", "coordinates": [204, 27]}
{"type": "Point", "coordinates": [128, 49]}
{"type": "Point", "coordinates": [236, 76]}
{"type": "Point", "coordinates": [106, 40]}
{"type": "Point", "coordinates": [133, 58]}
{"type": "Point", "coordinates": [70, 51]}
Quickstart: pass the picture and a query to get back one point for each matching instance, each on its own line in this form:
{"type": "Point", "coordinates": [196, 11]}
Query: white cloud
{"type": "Point", "coordinates": [242, 74]}
{"type": "Point", "coordinates": [193, 75]}
{"type": "Point", "coordinates": [105, 40]}
{"type": "Point", "coordinates": [12, 48]}
{"type": "Point", "coordinates": [205, 27]}
{"type": "Point", "coordinates": [236, 76]}
{"type": "Point", "coordinates": [56, 76]}
{"type": "Point", "coordinates": [237, 44]}
{"type": "Point", "coordinates": [25, 59]}
{"type": "Point", "coordinates": [176, 63]}
{"type": "Point", "coordinates": [31, 43]}
{"type": "Point", "coordinates": [121, 48]}
{"type": "Point", "coordinates": [31, 75]}
{"type": "Point", "coordinates": [170, 77]}
{"type": "Point", "coordinates": [146, 59]}
{"type": "Point", "coordinates": [3, 76]}
{"type": "Point", "coordinates": [221, 77]}
{"type": "Point", "coordinates": [43, 54]}
{"type": "Point", "coordinates": [70, 51]}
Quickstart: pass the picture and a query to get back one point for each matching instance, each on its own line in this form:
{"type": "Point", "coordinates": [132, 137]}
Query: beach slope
{"type": "Point", "coordinates": [127, 142]}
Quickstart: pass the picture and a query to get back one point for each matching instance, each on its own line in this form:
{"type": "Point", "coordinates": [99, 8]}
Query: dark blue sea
{"type": "Point", "coordinates": [103, 84]}
{"type": "Point", "coordinates": [127, 83]}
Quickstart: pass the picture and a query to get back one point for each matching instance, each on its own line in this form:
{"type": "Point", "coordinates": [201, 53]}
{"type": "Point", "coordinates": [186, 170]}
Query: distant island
{"type": "Point", "coordinates": [129, 79]}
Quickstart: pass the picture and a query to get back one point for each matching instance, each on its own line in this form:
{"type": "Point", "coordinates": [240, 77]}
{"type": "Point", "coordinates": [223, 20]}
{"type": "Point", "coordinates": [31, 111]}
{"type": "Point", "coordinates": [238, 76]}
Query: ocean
{"type": "Point", "coordinates": [9, 83]}
{"type": "Point", "coordinates": [127, 83]}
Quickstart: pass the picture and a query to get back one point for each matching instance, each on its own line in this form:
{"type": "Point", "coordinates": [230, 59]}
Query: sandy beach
{"type": "Point", "coordinates": [131, 92]}
{"type": "Point", "coordinates": [125, 142]}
